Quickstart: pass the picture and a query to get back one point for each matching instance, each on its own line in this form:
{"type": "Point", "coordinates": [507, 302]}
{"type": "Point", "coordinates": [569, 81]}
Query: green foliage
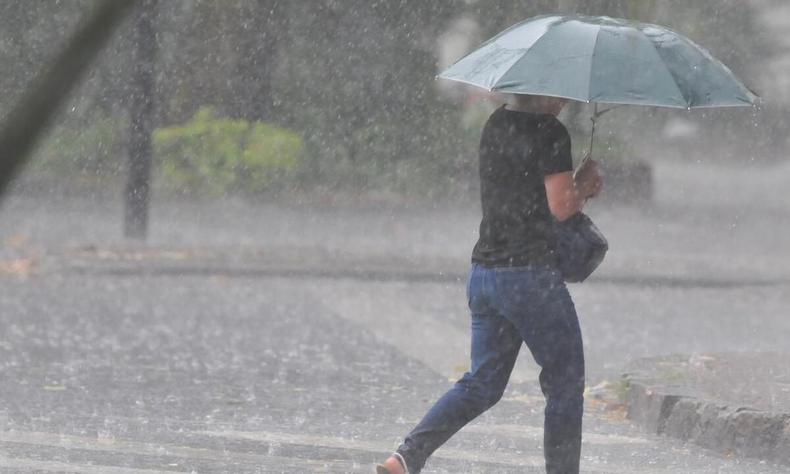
{"type": "Point", "coordinates": [217, 155]}
{"type": "Point", "coordinates": [359, 79]}
{"type": "Point", "coordinates": [91, 148]}
{"type": "Point", "coordinates": [621, 387]}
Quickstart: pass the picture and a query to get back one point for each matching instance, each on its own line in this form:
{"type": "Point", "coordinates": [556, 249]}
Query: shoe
{"type": "Point", "coordinates": [395, 464]}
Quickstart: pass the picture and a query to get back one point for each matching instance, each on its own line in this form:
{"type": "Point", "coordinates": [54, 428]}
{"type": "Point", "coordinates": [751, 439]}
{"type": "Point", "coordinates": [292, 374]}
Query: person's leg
{"type": "Point", "coordinates": [560, 353]}
{"type": "Point", "coordinates": [546, 319]}
{"type": "Point", "coordinates": [495, 346]}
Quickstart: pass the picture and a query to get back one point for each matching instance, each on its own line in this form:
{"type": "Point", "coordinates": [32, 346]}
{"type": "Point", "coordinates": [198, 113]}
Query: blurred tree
{"type": "Point", "coordinates": [358, 77]}
{"type": "Point", "coordinates": [220, 54]}
{"type": "Point", "coordinates": [30, 33]}
{"type": "Point", "coordinates": [494, 16]}
{"type": "Point", "coordinates": [256, 48]}
{"type": "Point", "coordinates": [355, 78]}
{"type": "Point", "coordinates": [566, 6]}
{"type": "Point", "coordinates": [33, 113]}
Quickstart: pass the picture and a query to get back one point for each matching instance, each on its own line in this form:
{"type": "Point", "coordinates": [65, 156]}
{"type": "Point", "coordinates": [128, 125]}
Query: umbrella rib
{"type": "Point", "coordinates": [542, 37]}
{"type": "Point", "coordinates": [711, 59]}
{"type": "Point", "coordinates": [671, 73]}
{"type": "Point", "coordinates": [592, 63]}
{"type": "Point", "coordinates": [497, 85]}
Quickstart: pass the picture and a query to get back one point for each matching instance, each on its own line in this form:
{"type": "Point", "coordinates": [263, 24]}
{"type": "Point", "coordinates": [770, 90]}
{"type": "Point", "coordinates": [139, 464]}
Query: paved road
{"type": "Point", "coordinates": [216, 374]}
{"type": "Point", "coordinates": [258, 339]}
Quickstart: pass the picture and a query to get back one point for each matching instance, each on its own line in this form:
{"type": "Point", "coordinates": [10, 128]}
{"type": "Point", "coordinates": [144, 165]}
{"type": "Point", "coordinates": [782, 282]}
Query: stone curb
{"type": "Point", "coordinates": [740, 431]}
{"type": "Point", "coordinates": [310, 262]}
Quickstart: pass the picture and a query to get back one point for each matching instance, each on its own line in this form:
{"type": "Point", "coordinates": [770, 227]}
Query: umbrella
{"type": "Point", "coordinates": [601, 60]}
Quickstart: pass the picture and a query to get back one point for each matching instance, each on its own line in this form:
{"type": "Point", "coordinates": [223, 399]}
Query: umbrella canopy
{"type": "Point", "coordinates": [601, 59]}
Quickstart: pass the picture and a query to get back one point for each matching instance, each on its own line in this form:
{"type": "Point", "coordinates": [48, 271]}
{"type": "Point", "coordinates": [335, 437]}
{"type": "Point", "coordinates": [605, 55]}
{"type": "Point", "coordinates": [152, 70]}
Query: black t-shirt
{"type": "Point", "coordinates": [517, 150]}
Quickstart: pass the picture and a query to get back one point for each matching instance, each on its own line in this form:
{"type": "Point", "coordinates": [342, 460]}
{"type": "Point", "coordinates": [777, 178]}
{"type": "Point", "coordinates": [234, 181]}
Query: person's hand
{"type": "Point", "coordinates": [589, 180]}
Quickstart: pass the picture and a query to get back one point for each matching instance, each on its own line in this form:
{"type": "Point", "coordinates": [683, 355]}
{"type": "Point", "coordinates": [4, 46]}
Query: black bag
{"type": "Point", "coordinates": [581, 247]}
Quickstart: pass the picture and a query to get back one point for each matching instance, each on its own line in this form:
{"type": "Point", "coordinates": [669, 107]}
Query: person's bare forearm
{"type": "Point", "coordinates": [573, 203]}
{"type": "Point", "coordinates": [568, 192]}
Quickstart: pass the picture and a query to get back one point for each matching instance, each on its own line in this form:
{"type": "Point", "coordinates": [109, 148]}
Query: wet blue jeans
{"type": "Point", "coordinates": [511, 306]}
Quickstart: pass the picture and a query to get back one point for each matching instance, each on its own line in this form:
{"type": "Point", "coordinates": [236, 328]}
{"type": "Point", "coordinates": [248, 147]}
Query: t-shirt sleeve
{"type": "Point", "coordinates": [555, 156]}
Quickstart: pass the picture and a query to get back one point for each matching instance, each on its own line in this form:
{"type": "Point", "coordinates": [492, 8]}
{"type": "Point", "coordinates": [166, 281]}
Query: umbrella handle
{"type": "Point", "coordinates": [594, 119]}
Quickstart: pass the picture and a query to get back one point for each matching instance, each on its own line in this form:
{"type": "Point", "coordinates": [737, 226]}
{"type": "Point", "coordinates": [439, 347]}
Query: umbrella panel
{"type": "Point", "coordinates": [704, 80]}
{"type": "Point", "coordinates": [627, 69]}
{"type": "Point", "coordinates": [486, 65]}
{"type": "Point", "coordinates": [558, 64]}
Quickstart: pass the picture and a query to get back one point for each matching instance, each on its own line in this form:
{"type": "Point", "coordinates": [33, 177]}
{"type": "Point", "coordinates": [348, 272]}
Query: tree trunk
{"type": "Point", "coordinates": [142, 113]}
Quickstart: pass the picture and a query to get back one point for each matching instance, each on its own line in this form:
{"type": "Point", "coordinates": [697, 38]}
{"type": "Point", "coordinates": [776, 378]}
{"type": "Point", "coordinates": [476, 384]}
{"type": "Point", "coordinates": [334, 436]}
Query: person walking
{"type": "Point", "coordinates": [515, 292]}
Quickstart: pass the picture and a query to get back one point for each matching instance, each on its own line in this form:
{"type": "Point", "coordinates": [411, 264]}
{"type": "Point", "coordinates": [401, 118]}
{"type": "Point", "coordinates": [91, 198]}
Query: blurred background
{"type": "Point", "coordinates": [336, 100]}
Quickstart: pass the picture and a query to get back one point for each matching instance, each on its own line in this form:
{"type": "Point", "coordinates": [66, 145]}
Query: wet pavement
{"type": "Point", "coordinates": [210, 352]}
{"type": "Point", "coordinates": [183, 374]}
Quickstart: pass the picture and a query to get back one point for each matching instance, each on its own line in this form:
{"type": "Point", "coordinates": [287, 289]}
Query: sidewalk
{"type": "Point", "coordinates": [733, 403]}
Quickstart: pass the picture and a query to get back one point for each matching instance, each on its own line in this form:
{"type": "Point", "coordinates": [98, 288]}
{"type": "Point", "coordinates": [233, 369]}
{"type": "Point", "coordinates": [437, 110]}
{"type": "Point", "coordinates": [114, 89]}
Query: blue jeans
{"type": "Point", "coordinates": [511, 305]}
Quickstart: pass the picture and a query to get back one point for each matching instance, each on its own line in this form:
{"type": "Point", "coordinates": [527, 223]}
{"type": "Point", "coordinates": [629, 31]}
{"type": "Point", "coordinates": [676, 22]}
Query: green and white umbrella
{"type": "Point", "coordinates": [601, 60]}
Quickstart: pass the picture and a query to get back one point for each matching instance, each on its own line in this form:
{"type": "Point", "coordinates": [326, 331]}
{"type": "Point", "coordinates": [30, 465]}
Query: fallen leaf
{"type": "Point", "coordinates": [17, 241]}
{"type": "Point", "coordinates": [18, 266]}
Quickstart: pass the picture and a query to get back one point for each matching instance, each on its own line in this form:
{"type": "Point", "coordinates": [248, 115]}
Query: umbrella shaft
{"type": "Point", "coordinates": [592, 132]}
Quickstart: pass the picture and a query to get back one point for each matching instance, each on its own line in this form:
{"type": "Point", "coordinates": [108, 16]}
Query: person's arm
{"type": "Point", "coordinates": [567, 193]}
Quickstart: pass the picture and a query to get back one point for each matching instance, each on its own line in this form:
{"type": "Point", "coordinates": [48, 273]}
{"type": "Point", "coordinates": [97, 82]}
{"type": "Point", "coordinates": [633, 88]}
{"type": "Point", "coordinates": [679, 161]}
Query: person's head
{"type": "Point", "coordinates": [538, 103]}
